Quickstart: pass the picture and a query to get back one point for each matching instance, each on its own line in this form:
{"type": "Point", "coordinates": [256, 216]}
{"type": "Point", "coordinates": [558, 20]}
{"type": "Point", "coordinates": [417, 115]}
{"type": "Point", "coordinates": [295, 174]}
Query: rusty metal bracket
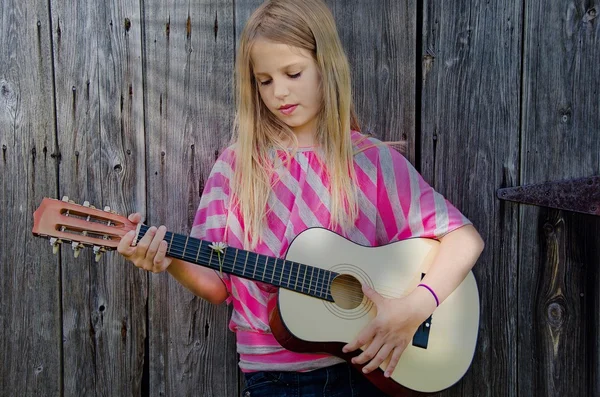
{"type": "Point", "coordinates": [578, 195]}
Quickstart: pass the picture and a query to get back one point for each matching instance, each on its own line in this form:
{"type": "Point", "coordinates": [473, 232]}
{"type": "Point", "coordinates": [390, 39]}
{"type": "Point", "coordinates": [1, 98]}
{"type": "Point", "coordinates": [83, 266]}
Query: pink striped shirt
{"type": "Point", "coordinates": [395, 203]}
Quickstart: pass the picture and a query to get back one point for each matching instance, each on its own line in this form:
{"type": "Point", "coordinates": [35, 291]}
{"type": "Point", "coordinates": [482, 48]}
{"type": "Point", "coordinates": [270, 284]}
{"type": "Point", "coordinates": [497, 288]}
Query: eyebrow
{"type": "Point", "coordinates": [291, 65]}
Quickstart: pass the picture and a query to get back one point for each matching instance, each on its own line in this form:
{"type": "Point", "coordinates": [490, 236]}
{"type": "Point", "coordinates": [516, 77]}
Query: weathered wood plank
{"type": "Point", "coordinates": [470, 131]}
{"type": "Point", "coordinates": [380, 41]}
{"type": "Point", "coordinates": [558, 302]}
{"type": "Point", "coordinates": [189, 113]}
{"type": "Point", "coordinates": [30, 325]}
{"type": "Point", "coordinates": [97, 52]}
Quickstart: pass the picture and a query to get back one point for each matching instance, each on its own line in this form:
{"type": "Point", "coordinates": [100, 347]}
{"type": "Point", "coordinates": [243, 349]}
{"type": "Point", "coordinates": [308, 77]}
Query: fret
{"type": "Point", "coordinates": [198, 253]}
{"type": "Point", "coordinates": [171, 242]}
{"type": "Point", "coordinates": [318, 279]}
{"type": "Point", "coordinates": [304, 277]}
{"type": "Point", "coordinates": [273, 272]}
{"type": "Point", "coordinates": [311, 280]}
{"type": "Point", "coordinates": [185, 246]}
{"type": "Point", "coordinates": [255, 266]}
{"type": "Point", "coordinates": [290, 274]}
{"type": "Point", "coordinates": [282, 271]}
{"type": "Point", "coordinates": [297, 274]}
{"type": "Point", "coordinates": [265, 268]}
{"type": "Point", "coordinates": [234, 259]}
{"type": "Point", "coordinates": [210, 258]}
{"type": "Point", "coordinates": [328, 284]}
{"type": "Point", "coordinates": [246, 262]}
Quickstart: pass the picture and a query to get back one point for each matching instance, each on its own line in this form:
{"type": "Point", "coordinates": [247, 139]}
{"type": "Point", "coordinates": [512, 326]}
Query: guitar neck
{"type": "Point", "coordinates": [304, 279]}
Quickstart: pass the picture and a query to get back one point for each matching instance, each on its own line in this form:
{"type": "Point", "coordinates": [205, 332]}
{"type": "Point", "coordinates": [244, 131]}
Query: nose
{"type": "Point", "coordinates": [280, 89]}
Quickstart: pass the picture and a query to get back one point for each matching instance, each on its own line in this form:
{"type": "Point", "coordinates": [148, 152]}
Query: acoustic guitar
{"type": "Point", "coordinates": [321, 306]}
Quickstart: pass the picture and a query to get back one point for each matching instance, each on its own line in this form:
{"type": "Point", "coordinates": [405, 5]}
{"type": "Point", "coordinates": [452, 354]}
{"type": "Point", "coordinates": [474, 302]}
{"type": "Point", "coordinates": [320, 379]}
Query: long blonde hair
{"type": "Point", "coordinates": [306, 24]}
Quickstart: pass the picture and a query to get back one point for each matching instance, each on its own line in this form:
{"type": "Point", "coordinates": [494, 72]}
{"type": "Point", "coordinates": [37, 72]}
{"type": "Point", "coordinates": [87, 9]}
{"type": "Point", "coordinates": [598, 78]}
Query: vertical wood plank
{"type": "Point", "coordinates": [189, 113]}
{"type": "Point", "coordinates": [97, 55]}
{"type": "Point", "coordinates": [558, 302]}
{"type": "Point", "coordinates": [470, 131]}
{"type": "Point", "coordinates": [380, 41]}
{"type": "Point", "coordinates": [30, 332]}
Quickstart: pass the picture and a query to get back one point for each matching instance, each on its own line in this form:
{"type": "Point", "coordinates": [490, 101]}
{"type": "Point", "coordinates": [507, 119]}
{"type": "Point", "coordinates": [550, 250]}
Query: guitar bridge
{"type": "Point", "coordinates": [421, 337]}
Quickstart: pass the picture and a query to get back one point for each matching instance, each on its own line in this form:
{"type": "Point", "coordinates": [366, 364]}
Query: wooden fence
{"type": "Point", "coordinates": [127, 103]}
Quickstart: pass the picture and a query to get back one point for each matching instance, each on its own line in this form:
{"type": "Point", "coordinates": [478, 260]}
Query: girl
{"type": "Point", "coordinates": [298, 162]}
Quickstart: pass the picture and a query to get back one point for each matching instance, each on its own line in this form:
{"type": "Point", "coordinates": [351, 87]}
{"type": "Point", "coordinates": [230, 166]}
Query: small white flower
{"type": "Point", "coordinates": [219, 247]}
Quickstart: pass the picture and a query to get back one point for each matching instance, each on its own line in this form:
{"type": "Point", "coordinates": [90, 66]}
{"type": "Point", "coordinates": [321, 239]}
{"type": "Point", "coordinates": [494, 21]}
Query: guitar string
{"type": "Point", "coordinates": [266, 268]}
{"type": "Point", "coordinates": [320, 287]}
{"type": "Point", "coordinates": [390, 292]}
{"type": "Point", "coordinates": [179, 241]}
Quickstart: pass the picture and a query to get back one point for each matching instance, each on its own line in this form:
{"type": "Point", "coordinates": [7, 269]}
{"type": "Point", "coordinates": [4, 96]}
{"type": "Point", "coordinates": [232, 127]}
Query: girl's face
{"type": "Point", "coordinates": [289, 85]}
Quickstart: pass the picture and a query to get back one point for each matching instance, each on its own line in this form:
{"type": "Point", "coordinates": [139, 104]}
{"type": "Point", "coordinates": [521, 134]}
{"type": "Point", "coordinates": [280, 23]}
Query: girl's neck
{"type": "Point", "coordinates": [305, 139]}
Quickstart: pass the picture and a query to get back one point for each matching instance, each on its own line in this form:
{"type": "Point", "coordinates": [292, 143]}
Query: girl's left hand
{"type": "Point", "coordinates": [392, 329]}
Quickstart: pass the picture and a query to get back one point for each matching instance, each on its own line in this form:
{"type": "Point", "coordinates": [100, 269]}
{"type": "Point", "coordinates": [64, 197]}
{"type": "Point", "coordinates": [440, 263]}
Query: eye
{"type": "Point", "coordinates": [294, 76]}
{"type": "Point", "coordinates": [266, 82]}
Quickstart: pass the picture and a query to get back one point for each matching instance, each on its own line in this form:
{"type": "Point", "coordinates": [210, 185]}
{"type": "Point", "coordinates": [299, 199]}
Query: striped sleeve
{"type": "Point", "coordinates": [211, 216]}
{"type": "Point", "coordinates": [407, 205]}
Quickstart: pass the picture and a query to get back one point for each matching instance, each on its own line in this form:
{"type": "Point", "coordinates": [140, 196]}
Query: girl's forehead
{"type": "Point", "coordinates": [267, 54]}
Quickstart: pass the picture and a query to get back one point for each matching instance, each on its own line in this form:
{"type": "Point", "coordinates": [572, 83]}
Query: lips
{"type": "Point", "coordinates": [287, 109]}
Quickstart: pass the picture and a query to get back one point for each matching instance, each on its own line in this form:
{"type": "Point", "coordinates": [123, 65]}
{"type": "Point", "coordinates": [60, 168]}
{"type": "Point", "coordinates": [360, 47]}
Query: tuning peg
{"type": "Point", "coordinates": [65, 199]}
{"type": "Point", "coordinates": [98, 251]}
{"type": "Point", "coordinates": [107, 209]}
{"type": "Point", "coordinates": [86, 203]}
{"type": "Point", "coordinates": [76, 248]}
{"type": "Point", "coordinates": [55, 243]}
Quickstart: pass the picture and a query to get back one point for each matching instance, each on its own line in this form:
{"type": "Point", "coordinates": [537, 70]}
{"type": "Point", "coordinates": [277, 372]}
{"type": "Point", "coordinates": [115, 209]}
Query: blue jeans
{"type": "Point", "coordinates": [339, 380]}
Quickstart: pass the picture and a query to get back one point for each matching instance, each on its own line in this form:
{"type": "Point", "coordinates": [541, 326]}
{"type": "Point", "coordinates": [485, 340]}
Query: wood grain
{"type": "Point", "coordinates": [380, 41]}
{"type": "Point", "coordinates": [30, 317]}
{"type": "Point", "coordinates": [470, 135]}
{"type": "Point", "coordinates": [99, 93]}
{"type": "Point", "coordinates": [189, 113]}
{"type": "Point", "coordinates": [558, 301]}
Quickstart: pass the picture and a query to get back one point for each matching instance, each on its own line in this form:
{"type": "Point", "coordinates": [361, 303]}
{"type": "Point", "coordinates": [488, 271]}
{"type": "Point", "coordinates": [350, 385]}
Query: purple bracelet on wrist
{"type": "Point", "coordinates": [437, 301]}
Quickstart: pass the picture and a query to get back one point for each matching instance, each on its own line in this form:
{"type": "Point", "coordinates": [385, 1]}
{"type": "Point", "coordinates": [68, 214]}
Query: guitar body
{"type": "Point", "coordinates": [306, 324]}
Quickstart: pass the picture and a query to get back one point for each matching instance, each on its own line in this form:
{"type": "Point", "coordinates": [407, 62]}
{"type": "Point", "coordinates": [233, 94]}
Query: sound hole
{"type": "Point", "coordinates": [346, 292]}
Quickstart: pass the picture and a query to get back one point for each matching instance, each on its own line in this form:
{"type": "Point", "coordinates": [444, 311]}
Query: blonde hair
{"type": "Point", "coordinates": [309, 25]}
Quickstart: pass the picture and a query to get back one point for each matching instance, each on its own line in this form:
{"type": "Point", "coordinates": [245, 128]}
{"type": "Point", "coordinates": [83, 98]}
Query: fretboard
{"type": "Point", "coordinates": [305, 279]}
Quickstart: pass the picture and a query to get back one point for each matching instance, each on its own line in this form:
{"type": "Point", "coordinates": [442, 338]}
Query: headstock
{"type": "Point", "coordinates": [80, 225]}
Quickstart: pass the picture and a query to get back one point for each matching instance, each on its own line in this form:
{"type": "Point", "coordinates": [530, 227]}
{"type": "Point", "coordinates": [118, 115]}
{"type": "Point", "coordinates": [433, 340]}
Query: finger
{"type": "Point", "coordinates": [382, 354]}
{"type": "Point", "coordinates": [145, 241]}
{"type": "Point", "coordinates": [365, 336]}
{"type": "Point", "coordinates": [136, 217]}
{"type": "Point", "coordinates": [161, 262]}
{"type": "Point", "coordinates": [394, 360]}
{"type": "Point", "coordinates": [124, 248]}
{"type": "Point", "coordinates": [370, 352]}
{"type": "Point", "coordinates": [372, 294]}
{"type": "Point", "coordinates": [155, 243]}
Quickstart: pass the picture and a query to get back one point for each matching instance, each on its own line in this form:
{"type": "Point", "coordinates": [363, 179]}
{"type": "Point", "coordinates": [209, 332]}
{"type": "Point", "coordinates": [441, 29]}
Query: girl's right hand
{"type": "Point", "coordinates": [150, 252]}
